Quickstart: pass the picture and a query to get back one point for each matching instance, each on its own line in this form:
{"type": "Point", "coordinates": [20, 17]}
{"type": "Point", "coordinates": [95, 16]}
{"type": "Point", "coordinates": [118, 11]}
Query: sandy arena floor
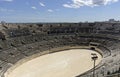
{"type": "Point", "coordinates": [68, 63]}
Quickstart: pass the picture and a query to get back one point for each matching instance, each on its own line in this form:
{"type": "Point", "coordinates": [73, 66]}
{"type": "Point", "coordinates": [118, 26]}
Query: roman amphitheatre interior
{"type": "Point", "coordinates": [60, 49]}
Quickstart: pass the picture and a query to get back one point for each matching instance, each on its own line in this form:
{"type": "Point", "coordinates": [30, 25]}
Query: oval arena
{"type": "Point", "coordinates": [59, 49]}
{"type": "Point", "coordinates": [66, 63]}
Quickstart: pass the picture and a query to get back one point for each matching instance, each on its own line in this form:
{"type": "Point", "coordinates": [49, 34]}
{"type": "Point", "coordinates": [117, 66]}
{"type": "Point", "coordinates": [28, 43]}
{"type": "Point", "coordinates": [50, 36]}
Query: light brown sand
{"type": "Point", "coordinates": [68, 63]}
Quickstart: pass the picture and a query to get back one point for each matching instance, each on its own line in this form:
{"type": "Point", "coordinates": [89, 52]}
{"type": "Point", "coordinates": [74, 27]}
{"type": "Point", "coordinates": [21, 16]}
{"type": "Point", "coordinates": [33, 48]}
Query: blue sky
{"type": "Point", "coordinates": [59, 10]}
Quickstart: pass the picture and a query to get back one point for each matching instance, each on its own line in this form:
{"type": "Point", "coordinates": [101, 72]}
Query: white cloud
{"type": "Point", "coordinates": [91, 3]}
{"type": "Point", "coordinates": [33, 7]}
{"type": "Point", "coordinates": [50, 10]}
{"type": "Point", "coordinates": [71, 6]}
{"type": "Point", "coordinates": [6, 10]}
{"type": "Point", "coordinates": [7, 0]}
{"type": "Point", "coordinates": [42, 4]}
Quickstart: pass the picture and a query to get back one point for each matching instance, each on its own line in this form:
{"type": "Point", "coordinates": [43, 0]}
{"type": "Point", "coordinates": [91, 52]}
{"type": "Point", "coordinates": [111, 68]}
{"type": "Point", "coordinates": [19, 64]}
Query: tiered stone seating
{"type": "Point", "coordinates": [19, 41]}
